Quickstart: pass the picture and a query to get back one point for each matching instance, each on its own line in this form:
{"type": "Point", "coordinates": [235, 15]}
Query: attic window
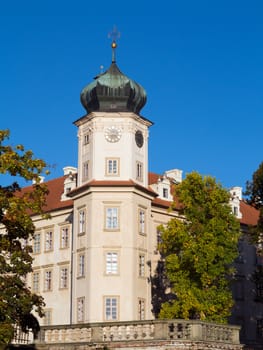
{"type": "Point", "coordinates": [165, 192]}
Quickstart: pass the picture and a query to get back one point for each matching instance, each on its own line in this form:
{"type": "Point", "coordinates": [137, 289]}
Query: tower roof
{"type": "Point", "coordinates": [113, 91]}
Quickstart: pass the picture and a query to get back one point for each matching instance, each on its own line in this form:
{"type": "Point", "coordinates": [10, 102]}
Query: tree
{"type": "Point", "coordinates": [254, 191]}
{"type": "Point", "coordinates": [17, 206]}
{"type": "Point", "coordinates": [254, 188]}
{"type": "Point", "coordinates": [198, 250]}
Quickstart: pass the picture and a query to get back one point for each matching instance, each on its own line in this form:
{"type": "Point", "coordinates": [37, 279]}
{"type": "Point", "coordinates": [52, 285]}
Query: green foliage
{"type": "Point", "coordinates": [199, 251]}
{"type": "Point", "coordinates": [254, 188]}
{"type": "Point", "coordinates": [16, 230]}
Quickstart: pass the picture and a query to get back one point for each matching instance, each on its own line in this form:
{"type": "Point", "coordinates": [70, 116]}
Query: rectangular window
{"type": "Point", "coordinates": [63, 278]}
{"type": "Point", "coordinates": [48, 317]}
{"type": "Point", "coordinates": [111, 308]}
{"type": "Point", "coordinates": [64, 237]}
{"type": "Point", "coordinates": [111, 263]}
{"type": "Point", "coordinates": [82, 221]}
{"type": "Point", "coordinates": [142, 221]}
{"type": "Point", "coordinates": [85, 170]}
{"type": "Point", "coordinates": [48, 281]}
{"type": "Point", "coordinates": [165, 192]}
{"type": "Point", "coordinates": [35, 282]}
{"type": "Point", "coordinates": [36, 243]}
{"type": "Point", "coordinates": [86, 139]}
{"type": "Point", "coordinates": [112, 219]}
{"type": "Point", "coordinates": [80, 309]}
{"type": "Point", "coordinates": [81, 265]}
{"type": "Point", "coordinates": [112, 166]}
{"type": "Point", "coordinates": [141, 265]}
{"type": "Point", "coordinates": [141, 309]}
{"type": "Point", "coordinates": [48, 241]}
{"type": "Point", "coordinates": [139, 171]}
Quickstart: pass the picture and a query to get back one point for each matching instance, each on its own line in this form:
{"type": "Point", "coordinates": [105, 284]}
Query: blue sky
{"type": "Point", "coordinates": [199, 61]}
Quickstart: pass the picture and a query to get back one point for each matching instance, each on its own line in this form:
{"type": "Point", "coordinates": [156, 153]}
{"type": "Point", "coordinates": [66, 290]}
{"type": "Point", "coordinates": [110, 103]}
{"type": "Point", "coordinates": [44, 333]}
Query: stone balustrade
{"type": "Point", "coordinates": [155, 330]}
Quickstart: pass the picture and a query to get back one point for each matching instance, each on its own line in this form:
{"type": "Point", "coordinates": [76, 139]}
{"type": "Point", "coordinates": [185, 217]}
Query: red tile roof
{"type": "Point", "coordinates": [250, 215]}
{"type": "Point", "coordinates": [56, 188]}
{"type": "Point", "coordinates": [153, 178]}
{"type": "Point", "coordinates": [53, 199]}
{"type": "Point", "coordinates": [112, 183]}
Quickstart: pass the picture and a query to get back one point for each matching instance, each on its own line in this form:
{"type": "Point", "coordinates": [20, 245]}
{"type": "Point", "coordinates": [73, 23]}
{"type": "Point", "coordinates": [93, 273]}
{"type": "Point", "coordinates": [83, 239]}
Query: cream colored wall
{"type": "Point", "coordinates": [57, 300]}
{"type": "Point", "coordinates": [125, 149]}
{"type": "Point", "coordinates": [127, 241]}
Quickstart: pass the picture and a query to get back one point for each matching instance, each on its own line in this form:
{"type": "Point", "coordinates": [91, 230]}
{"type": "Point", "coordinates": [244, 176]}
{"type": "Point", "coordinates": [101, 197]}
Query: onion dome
{"type": "Point", "coordinates": [113, 91]}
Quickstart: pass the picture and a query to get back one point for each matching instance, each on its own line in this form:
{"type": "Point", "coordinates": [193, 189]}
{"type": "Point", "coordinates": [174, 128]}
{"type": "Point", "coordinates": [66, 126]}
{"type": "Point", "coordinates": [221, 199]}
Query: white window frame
{"type": "Point", "coordinates": [112, 218]}
{"type": "Point", "coordinates": [112, 167]}
{"type": "Point", "coordinates": [142, 223]}
{"type": "Point", "coordinates": [48, 240]}
{"type": "Point", "coordinates": [141, 309]}
{"type": "Point", "coordinates": [47, 280]}
{"type": "Point", "coordinates": [37, 243]}
{"type": "Point", "coordinates": [36, 281]}
{"type": "Point", "coordinates": [64, 237]}
{"type": "Point", "coordinates": [111, 263]}
{"type": "Point", "coordinates": [111, 308]}
{"type": "Point", "coordinates": [81, 265]}
{"type": "Point", "coordinates": [141, 265]}
{"type": "Point", "coordinates": [81, 221]}
{"type": "Point", "coordinates": [64, 277]}
{"type": "Point", "coordinates": [80, 309]}
{"type": "Point", "coordinates": [47, 320]}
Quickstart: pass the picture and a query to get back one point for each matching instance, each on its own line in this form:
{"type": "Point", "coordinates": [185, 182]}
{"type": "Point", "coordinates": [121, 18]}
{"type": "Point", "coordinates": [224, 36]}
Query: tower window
{"type": "Point", "coordinates": [82, 221]}
{"type": "Point", "coordinates": [142, 221]}
{"type": "Point", "coordinates": [139, 171]}
{"type": "Point", "coordinates": [86, 139]}
{"type": "Point", "coordinates": [141, 309]}
{"type": "Point", "coordinates": [141, 265]}
{"type": "Point", "coordinates": [112, 218]}
{"type": "Point", "coordinates": [80, 309]}
{"type": "Point", "coordinates": [111, 308]}
{"type": "Point", "coordinates": [81, 265]}
{"type": "Point", "coordinates": [111, 263]}
{"type": "Point", "coordinates": [85, 170]}
{"type": "Point", "coordinates": [112, 166]}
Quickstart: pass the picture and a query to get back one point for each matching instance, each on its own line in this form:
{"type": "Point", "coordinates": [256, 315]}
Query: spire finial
{"type": "Point", "coordinates": [114, 35]}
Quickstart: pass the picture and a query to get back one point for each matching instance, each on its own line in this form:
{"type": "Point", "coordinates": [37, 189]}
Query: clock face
{"type": "Point", "coordinates": [139, 138]}
{"type": "Point", "coordinates": [112, 134]}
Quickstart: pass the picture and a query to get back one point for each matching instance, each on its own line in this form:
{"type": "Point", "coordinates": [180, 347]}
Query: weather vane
{"type": "Point", "coordinates": [114, 35]}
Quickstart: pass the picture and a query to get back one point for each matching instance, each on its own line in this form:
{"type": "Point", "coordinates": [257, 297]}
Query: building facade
{"type": "Point", "coordinates": [95, 257]}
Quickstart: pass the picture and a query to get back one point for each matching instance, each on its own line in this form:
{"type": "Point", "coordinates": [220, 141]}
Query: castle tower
{"type": "Point", "coordinates": [112, 202]}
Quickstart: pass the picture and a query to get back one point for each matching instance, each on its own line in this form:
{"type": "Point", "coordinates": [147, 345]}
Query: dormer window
{"type": "Point", "coordinates": [165, 192]}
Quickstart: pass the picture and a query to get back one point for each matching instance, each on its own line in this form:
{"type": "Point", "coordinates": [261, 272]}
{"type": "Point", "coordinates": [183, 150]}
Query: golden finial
{"type": "Point", "coordinates": [114, 35]}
